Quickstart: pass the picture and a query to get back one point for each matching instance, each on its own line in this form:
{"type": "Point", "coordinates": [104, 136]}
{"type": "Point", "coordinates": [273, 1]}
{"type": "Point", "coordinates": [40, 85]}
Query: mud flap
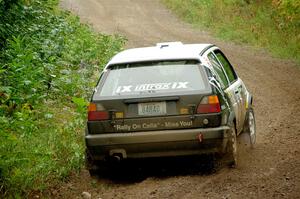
{"type": "Point", "coordinates": [230, 157]}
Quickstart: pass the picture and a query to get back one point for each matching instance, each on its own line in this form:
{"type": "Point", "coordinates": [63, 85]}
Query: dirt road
{"type": "Point", "coordinates": [271, 170]}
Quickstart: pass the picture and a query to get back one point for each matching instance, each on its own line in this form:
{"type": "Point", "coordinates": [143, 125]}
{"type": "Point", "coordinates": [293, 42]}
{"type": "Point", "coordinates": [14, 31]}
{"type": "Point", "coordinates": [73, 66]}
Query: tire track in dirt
{"type": "Point", "coordinates": [272, 169]}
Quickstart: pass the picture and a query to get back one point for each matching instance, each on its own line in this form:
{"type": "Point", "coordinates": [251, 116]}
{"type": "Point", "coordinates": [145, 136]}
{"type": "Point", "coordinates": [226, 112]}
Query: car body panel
{"type": "Point", "coordinates": [236, 92]}
{"type": "Point", "coordinates": [154, 123]}
{"type": "Point", "coordinates": [160, 143]}
{"type": "Point", "coordinates": [159, 52]}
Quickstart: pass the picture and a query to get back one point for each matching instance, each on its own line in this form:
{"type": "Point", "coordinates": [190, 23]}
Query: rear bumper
{"type": "Point", "coordinates": [157, 143]}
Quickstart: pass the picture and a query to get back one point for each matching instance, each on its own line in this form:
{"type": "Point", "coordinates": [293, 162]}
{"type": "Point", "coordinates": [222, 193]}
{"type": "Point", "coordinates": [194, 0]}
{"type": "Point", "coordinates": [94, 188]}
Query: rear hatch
{"type": "Point", "coordinates": [153, 96]}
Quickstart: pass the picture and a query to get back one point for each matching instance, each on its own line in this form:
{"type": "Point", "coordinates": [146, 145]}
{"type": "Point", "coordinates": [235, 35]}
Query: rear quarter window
{"type": "Point", "coordinates": [219, 71]}
{"type": "Point", "coordinates": [226, 65]}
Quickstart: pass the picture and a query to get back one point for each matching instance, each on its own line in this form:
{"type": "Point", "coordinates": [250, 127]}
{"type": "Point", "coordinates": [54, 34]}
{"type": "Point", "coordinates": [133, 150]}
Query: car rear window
{"type": "Point", "coordinates": [152, 80]}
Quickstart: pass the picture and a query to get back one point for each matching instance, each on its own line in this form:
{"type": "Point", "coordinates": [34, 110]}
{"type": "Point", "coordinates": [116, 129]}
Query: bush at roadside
{"type": "Point", "coordinates": [49, 63]}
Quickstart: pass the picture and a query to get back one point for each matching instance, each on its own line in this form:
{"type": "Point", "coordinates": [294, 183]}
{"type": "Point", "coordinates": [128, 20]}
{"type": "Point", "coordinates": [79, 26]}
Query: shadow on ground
{"type": "Point", "coordinates": [137, 170]}
{"type": "Point", "coordinates": [133, 171]}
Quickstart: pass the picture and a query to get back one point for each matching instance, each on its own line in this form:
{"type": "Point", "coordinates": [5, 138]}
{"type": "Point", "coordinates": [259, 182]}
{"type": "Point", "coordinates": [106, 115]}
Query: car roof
{"type": "Point", "coordinates": [162, 51]}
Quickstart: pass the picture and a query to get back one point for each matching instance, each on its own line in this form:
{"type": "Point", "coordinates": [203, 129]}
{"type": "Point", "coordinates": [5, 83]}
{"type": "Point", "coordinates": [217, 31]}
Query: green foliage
{"type": "Point", "coordinates": [287, 13]}
{"type": "Point", "coordinates": [49, 64]}
{"type": "Point", "coordinates": [80, 103]}
{"type": "Point", "coordinates": [271, 24]}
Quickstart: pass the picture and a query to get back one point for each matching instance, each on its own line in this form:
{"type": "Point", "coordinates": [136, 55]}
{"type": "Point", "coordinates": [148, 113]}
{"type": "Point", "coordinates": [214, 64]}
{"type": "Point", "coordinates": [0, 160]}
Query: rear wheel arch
{"type": "Point", "coordinates": [249, 100]}
{"type": "Point", "coordinates": [234, 125]}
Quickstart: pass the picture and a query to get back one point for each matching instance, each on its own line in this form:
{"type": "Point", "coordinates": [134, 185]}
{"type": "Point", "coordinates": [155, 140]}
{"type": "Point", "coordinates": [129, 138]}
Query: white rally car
{"type": "Point", "coordinates": [171, 99]}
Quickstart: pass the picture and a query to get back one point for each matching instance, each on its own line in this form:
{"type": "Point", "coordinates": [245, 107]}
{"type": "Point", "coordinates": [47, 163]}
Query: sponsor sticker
{"type": "Point", "coordinates": [152, 87]}
{"type": "Point", "coordinates": [153, 125]}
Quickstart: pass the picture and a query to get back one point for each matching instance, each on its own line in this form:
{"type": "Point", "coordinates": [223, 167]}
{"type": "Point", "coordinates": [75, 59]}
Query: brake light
{"type": "Point", "coordinates": [209, 104]}
{"type": "Point", "coordinates": [96, 115]}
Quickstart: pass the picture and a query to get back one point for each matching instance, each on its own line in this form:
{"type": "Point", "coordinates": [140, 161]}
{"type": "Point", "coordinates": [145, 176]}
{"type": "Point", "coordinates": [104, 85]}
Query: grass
{"type": "Point", "coordinates": [49, 64]}
{"type": "Point", "coordinates": [273, 25]}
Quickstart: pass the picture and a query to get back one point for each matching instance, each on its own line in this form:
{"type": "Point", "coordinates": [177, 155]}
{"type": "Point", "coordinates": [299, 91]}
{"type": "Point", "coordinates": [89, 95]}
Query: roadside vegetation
{"type": "Point", "coordinates": [271, 24]}
{"type": "Point", "coordinates": [49, 63]}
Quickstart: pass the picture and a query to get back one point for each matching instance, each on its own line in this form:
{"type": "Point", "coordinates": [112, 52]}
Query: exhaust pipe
{"type": "Point", "coordinates": [116, 157]}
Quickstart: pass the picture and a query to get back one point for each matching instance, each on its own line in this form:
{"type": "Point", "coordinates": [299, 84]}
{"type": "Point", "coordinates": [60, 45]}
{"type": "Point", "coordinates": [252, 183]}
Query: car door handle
{"type": "Point", "coordinates": [236, 91]}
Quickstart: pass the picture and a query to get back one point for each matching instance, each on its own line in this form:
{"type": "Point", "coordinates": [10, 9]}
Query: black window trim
{"type": "Point", "coordinates": [206, 49]}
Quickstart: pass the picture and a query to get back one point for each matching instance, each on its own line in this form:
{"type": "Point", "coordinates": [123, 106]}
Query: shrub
{"type": "Point", "coordinates": [49, 63]}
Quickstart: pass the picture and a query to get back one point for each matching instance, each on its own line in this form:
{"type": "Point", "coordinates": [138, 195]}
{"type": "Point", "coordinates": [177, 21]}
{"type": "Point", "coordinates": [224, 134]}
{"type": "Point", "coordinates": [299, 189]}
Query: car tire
{"type": "Point", "coordinates": [250, 127]}
{"type": "Point", "coordinates": [90, 164]}
{"type": "Point", "coordinates": [232, 148]}
{"type": "Point", "coordinates": [95, 168]}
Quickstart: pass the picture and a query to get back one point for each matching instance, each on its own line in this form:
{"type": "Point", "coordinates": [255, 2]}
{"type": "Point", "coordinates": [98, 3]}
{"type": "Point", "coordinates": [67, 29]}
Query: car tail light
{"type": "Point", "coordinates": [95, 115]}
{"type": "Point", "coordinates": [209, 104]}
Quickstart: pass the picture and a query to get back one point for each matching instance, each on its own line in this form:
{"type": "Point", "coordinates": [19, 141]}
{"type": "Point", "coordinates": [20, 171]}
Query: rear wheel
{"type": "Point", "coordinates": [232, 148]}
{"type": "Point", "coordinates": [250, 127]}
{"type": "Point", "coordinates": [95, 168]}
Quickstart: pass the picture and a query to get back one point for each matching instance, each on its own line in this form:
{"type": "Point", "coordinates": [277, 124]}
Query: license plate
{"type": "Point", "coordinates": [153, 108]}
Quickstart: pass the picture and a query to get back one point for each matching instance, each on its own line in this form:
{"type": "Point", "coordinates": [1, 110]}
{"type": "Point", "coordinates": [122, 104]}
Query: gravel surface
{"type": "Point", "coordinates": [270, 170]}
